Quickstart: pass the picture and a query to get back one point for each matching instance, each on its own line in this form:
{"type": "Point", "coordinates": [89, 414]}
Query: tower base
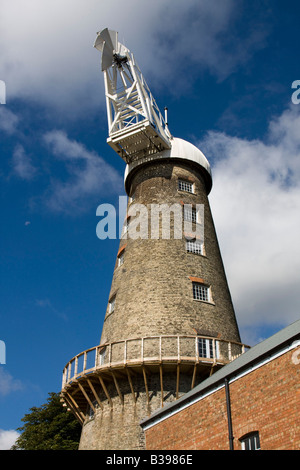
{"type": "Point", "coordinates": [117, 425]}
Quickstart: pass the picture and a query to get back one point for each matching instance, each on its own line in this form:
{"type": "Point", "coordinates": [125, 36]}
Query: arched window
{"type": "Point", "coordinates": [250, 441]}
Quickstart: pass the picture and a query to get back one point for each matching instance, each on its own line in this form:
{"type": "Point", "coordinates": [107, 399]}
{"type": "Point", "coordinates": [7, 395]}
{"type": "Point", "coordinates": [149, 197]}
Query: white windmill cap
{"type": "Point", "coordinates": [180, 150]}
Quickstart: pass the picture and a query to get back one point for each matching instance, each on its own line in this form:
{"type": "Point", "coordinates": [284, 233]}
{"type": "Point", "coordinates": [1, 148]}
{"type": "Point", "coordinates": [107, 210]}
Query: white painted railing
{"type": "Point", "coordinates": [151, 349]}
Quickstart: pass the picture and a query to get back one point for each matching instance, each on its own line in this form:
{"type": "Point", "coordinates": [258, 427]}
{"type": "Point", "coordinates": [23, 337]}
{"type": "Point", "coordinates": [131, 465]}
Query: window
{"type": "Point", "coordinates": [102, 356]}
{"type": "Point", "coordinates": [189, 213]}
{"type": "Point", "coordinates": [125, 227]}
{"type": "Point", "coordinates": [250, 441]}
{"type": "Point", "coordinates": [111, 305]}
{"type": "Point", "coordinates": [206, 348]}
{"type": "Point", "coordinates": [185, 186]}
{"type": "Point", "coordinates": [120, 255]}
{"type": "Point", "coordinates": [121, 258]}
{"type": "Point", "coordinates": [132, 198]}
{"type": "Point", "coordinates": [201, 292]}
{"type": "Point", "coordinates": [194, 246]}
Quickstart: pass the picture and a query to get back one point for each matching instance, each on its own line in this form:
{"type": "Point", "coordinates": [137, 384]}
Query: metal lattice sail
{"type": "Point", "coordinates": [135, 124]}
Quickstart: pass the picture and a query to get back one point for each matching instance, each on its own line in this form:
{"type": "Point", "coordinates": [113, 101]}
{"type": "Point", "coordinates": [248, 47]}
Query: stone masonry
{"type": "Point", "coordinates": [152, 288]}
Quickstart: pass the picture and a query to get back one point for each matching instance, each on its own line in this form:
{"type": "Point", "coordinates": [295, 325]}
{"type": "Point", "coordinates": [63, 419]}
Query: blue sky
{"type": "Point", "coordinates": [225, 69]}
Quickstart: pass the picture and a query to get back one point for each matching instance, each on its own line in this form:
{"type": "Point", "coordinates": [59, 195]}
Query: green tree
{"type": "Point", "coordinates": [49, 427]}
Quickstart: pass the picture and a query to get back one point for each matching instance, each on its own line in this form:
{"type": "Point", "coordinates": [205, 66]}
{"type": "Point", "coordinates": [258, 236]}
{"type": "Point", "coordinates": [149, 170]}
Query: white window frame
{"type": "Point", "coordinates": [194, 246]}
{"type": "Point", "coordinates": [121, 259]}
{"type": "Point", "coordinates": [111, 304]}
{"type": "Point", "coordinates": [126, 227]}
{"type": "Point", "coordinates": [251, 441]}
{"type": "Point", "coordinates": [206, 345]}
{"type": "Point", "coordinates": [186, 186]}
{"type": "Point", "coordinates": [131, 198]}
{"type": "Point", "coordinates": [201, 292]}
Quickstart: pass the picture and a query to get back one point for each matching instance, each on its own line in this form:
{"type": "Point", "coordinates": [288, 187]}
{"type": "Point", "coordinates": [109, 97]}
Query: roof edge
{"type": "Point", "coordinates": [284, 338]}
{"type": "Point", "coordinates": [181, 150]}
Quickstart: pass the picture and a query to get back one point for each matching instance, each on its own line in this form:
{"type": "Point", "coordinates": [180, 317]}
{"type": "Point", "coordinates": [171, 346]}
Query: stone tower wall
{"type": "Point", "coordinates": [152, 288]}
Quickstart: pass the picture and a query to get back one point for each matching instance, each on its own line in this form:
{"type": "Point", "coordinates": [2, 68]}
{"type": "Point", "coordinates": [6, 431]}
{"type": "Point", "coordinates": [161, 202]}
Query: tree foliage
{"type": "Point", "coordinates": [49, 427]}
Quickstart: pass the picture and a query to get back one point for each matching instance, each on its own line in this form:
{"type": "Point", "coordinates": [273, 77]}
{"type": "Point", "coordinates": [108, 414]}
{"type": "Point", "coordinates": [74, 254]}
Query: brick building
{"type": "Point", "coordinates": [251, 403]}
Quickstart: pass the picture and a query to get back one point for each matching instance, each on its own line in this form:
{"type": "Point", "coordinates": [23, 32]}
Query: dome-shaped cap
{"type": "Point", "coordinates": [181, 150]}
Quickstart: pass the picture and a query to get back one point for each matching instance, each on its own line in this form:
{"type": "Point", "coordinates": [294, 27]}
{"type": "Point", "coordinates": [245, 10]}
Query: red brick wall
{"type": "Point", "coordinates": [266, 400]}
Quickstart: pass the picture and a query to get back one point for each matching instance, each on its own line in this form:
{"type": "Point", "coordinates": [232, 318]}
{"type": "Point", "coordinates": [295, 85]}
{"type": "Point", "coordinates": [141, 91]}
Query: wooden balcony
{"type": "Point", "coordinates": [197, 356]}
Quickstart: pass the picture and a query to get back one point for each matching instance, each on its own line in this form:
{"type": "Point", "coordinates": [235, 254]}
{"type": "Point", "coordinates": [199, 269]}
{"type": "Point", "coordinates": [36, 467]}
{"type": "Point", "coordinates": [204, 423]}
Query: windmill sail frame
{"type": "Point", "coordinates": [136, 126]}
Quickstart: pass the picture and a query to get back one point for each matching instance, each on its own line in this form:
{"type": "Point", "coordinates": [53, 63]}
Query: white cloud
{"type": "Point", "coordinates": [8, 120]}
{"type": "Point", "coordinates": [8, 438]}
{"type": "Point", "coordinates": [47, 55]}
{"type": "Point", "coordinates": [88, 175]}
{"type": "Point", "coordinates": [22, 165]}
{"type": "Point", "coordinates": [256, 205]}
{"type": "Point", "coordinates": [7, 383]}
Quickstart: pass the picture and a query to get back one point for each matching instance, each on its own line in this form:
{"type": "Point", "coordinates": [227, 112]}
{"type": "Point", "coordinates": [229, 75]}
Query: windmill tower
{"type": "Point", "coordinates": [170, 322]}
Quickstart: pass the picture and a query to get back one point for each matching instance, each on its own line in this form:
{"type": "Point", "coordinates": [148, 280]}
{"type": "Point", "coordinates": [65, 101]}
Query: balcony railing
{"type": "Point", "coordinates": [151, 350]}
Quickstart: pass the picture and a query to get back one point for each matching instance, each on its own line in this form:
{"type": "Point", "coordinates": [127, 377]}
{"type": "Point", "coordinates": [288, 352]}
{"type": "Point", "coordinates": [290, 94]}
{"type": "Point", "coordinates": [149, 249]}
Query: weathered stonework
{"type": "Point", "coordinates": [117, 427]}
{"type": "Point", "coordinates": [152, 288]}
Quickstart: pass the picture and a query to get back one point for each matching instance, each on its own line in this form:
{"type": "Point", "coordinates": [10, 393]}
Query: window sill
{"type": "Point", "coordinates": [198, 254]}
{"type": "Point", "coordinates": [180, 191]}
{"type": "Point", "coordinates": [210, 302]}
